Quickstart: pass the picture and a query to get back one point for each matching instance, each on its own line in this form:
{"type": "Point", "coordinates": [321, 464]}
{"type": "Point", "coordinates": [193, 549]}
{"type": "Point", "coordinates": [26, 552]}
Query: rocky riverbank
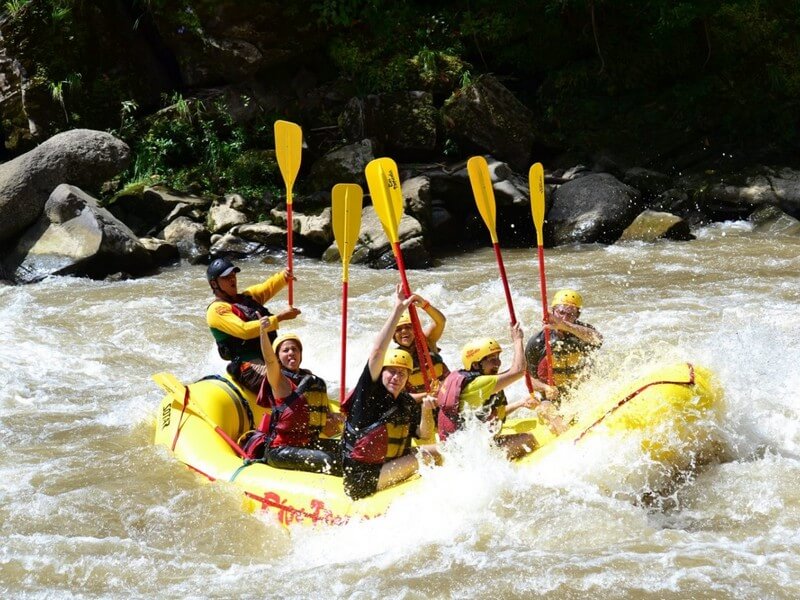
{"type": "Point", "coordinates": [54, 224]}
{"type": "Point", "coordinates": [142, 132]}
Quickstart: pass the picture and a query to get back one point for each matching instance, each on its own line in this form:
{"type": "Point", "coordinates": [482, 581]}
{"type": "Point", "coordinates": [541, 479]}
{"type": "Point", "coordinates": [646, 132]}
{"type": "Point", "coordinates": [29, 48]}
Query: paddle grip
{"type": "Point", "coordinates": [426, 366]}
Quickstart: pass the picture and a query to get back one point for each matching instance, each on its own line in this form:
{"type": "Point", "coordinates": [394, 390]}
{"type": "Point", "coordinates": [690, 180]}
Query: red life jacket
{"type": "Point", "coordinates": [449, 401]}
{"type": "Point", "coordinates": [294, 420]}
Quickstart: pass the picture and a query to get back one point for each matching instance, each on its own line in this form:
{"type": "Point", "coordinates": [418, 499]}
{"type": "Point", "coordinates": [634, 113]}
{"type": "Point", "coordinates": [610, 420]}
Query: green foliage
{"type": "Point", "coordinates": [59, 13]}
{"type": "Point", "coordinates": [342, 12]}
{"type": "Point", "coordinates": [13, 7]}
{"type": "Point", "coordinates": [193, 143]}
{"type": "Point", "coordinates": [598, 73]}
{"type": "Point", "coordinates": [127, 111]}
{"type": "Point", "coordinates": [66, 61]}
{"type": "Point", "coordinates": [391, 46]}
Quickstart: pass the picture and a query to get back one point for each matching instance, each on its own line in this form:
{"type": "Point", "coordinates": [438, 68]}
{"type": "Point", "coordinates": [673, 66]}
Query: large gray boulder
{"type": "Point", "coordinates": [740, 196]}
{"type": "Point", "coordinates": [454, 215]}
{"type": "Point", "coordinates": [192, 239]}
{"type": "Point", "coordinates": [231, 244]}
{"type": "Point", "coordinates": [485, 116]}
{"type": "Point", "coordinates": [265, 234]}
{"type": "Point", "coordinates": [75, 236]}
{"type": "Point", "coordinates": [772, 220]}
{"type": "Point", "coordinates": [411, 123]}
{"type": "Point", "coordinates": [310, 231]}
{"type": "Point", "coordinates": [417, 199]}
{"type": "Point", "coordinates": [147, 210]}
{"type": "Point", "coordinates": [374, 248]}
{"type": "Point", "coordinates": [161, 251]}
{"type": "Point", "coordinates": [80, 157]}
{"type": "Point", "coordinates": [404, 124]}
{"type": "Point", "coordinates": [344, 165]}
{"type": "Point", "coordinates": [651, 184]}
{"type": "Point", "coordinates": [652, 225]}
{"type": "Point", "coordinates": [222, 218]}
{"type": "Point", "coordinates": [594, 208]}
{"type": "Point", "coordinates": [704, 197]}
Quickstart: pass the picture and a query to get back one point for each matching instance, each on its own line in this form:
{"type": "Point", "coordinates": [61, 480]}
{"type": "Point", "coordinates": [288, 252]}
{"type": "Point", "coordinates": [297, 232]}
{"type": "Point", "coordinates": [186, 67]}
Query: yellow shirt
{"type": "Point", "coordinates": [220, 316]}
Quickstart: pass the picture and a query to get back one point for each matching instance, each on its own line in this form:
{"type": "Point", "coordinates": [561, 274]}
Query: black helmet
{"type": "Point", "coordinates": [220, 267]}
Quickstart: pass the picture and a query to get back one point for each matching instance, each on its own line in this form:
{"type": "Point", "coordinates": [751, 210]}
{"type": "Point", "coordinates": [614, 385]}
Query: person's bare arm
{"type": "Point", "coordinates": [384, 337]}
{"type": "Point", "coordinates": [281, 387]}
{"type": "Point", "coordinates": [583, 332]}
{"type": "Point", "coordinates": [434, 331]}
{"type": "Point", "coordinates": [427, 427]}
{"type": "Point", "coordinates": [517, 368]}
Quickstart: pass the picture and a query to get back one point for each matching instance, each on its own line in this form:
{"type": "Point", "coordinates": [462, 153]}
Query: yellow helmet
{"type": "Point", "coordinates": [285, 338]}
{"type": "Point", "coordinates": [570, 297]}
{"type": "Point", "coordinates": [477, 350]}
{"type": "Point", "coordinates": [395, 357]}
{"type": "Point", "coordinates": [405, 319]}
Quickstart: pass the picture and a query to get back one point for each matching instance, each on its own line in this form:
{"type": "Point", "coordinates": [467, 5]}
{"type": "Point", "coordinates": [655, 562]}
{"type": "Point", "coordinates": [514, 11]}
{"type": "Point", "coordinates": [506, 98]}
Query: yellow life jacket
{"type": "Point", "coordinates": [416, 382]}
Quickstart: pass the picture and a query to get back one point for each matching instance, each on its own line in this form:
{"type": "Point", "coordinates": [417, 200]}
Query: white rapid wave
{"type": "Point", "coordinates": [90, 508]}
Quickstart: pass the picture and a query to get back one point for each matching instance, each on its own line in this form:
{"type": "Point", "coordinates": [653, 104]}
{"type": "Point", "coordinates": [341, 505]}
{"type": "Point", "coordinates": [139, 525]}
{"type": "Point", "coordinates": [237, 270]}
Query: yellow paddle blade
{"type": "Point", "coordinates": [536, 181]}
{"type": "Point", "coordinates": [288, 150]}
{"type": "Point", "coordinates": [170, 384]}
{"type": "Point", "coordinates": [346, 201]}
{"type": "Point", "coordinates": [482, 189]}
{"type": "Point", "coordinates": [383, 180]}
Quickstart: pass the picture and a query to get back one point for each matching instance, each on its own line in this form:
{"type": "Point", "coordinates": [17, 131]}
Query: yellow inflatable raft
{"type": "Point", "coordinates": [675, 403]}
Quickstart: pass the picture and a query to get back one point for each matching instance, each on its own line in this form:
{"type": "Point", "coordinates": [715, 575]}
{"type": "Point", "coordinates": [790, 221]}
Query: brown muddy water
{"type": "Point", "coordinates": [91, 509]}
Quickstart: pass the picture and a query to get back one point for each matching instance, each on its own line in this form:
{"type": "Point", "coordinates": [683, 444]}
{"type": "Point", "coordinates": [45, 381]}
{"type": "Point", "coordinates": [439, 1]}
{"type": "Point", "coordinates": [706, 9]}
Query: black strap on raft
{"type": "Point", "coordinates": [243, 404]}
{"type": "Point", "coordinates": [180, 418]}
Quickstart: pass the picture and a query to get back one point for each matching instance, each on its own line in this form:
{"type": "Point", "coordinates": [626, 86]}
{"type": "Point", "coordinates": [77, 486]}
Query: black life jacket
{"type": "Point", "coordinates": [385, 439]}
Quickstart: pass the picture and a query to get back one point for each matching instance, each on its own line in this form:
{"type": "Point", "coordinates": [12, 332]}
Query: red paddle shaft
{"type": "Point", "coordinates": [426, 364]}
{"type": "Point", "coordinates": [290, 251]}
{"type": "Point", "coordinates": [344, 343]}
{"type": "Point", "coordinates": [510, 303]}
{"type": "Point", "coordinates": [545, 318]}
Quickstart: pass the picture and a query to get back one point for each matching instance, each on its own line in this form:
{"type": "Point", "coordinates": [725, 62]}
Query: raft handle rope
{"type": "Point", "coordinates": [635, 393]}
{"type": "Point", "coordinates": [202, 414]}
{"type": "Point", "coordinates": [180, 419]}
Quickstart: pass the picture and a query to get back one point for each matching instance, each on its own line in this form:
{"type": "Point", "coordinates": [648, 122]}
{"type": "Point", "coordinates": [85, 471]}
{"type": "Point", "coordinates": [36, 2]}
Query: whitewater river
{"type": "Point", "coordinates": [89, 508]}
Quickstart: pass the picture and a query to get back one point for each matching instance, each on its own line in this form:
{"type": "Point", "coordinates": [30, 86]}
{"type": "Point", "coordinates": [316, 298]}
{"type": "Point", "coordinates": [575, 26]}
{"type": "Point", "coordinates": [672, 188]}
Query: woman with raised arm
{"type": "Point", "coordinates": [406, 340]}
{"type": "Point", "coordinates": [300, 410]}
